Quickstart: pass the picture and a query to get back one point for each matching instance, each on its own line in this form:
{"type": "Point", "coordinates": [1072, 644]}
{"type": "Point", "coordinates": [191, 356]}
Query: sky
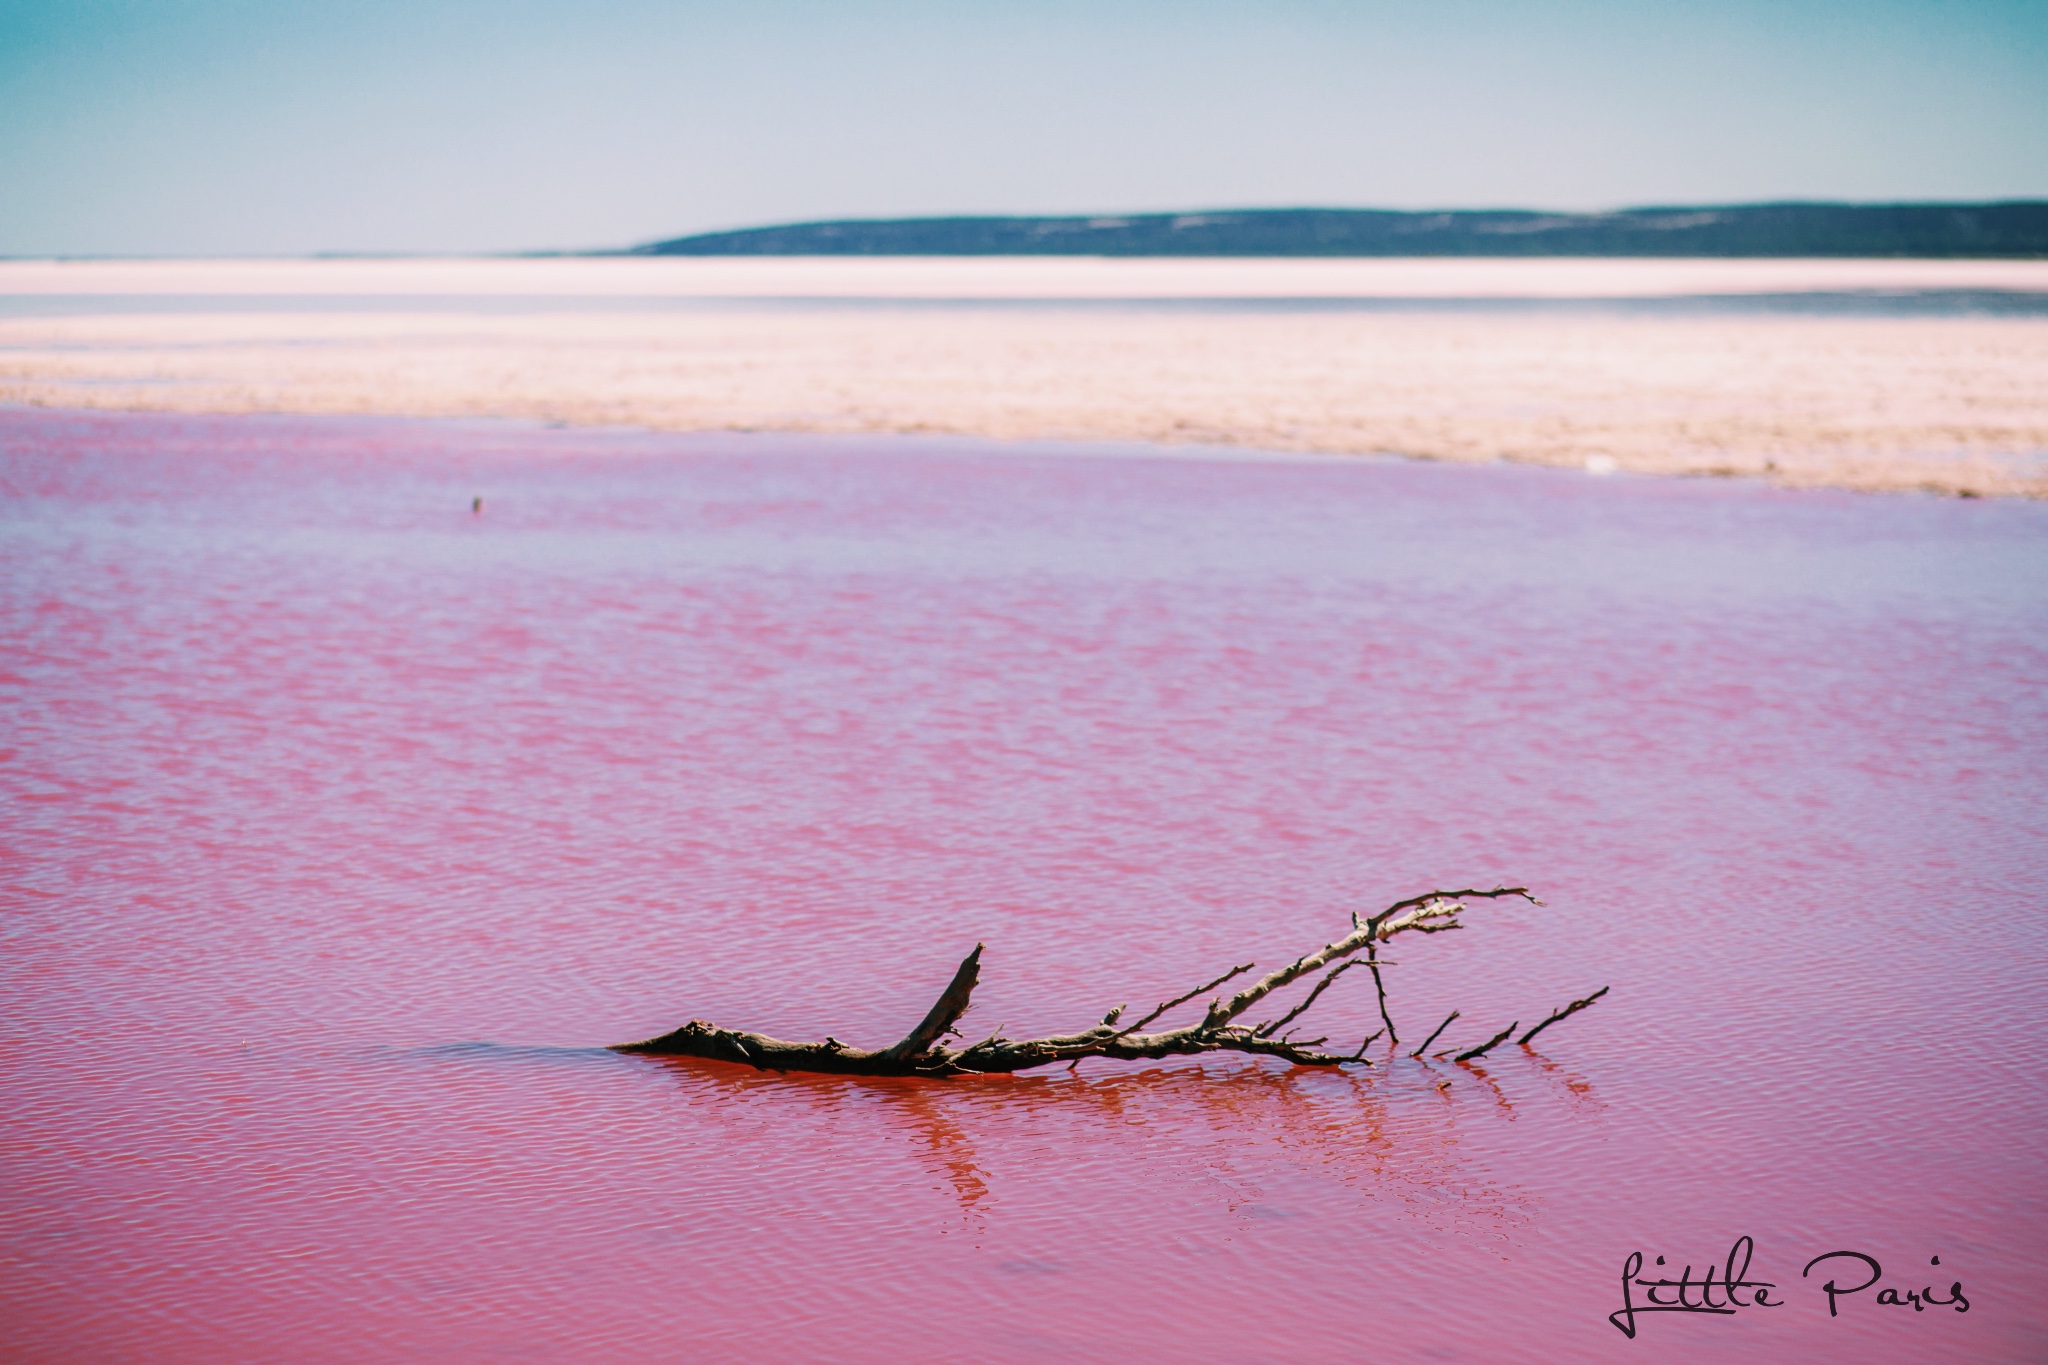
{"type": "Point", "coordinates": [276, 127]}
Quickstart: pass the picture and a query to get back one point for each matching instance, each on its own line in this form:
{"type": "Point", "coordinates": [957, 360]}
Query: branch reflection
{"type": "Point", "coordinates": [1202, 1134]}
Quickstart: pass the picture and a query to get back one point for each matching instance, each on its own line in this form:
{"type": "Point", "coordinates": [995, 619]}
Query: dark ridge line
{"type": "Point", "coordinates": [2014, 229]}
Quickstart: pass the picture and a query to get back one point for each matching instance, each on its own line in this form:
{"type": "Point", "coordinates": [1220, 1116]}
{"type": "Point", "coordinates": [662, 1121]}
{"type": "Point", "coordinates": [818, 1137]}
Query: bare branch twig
{"type": "Point", "coordinates": [1359, 1056]}
{"type": "Point", "coordinates": [1379, 984]}
{"type": "Point", "coordinates": [1266, 1030]}
{"type": "Point", "coordinates": [1567, 1012]}
{"type": "Point", "coordinates": [1433, 1036]}
{"type": "Point", "coordinates": [1489, 1045]}
{"type": "Point", "coordinates": [1180, 1000]}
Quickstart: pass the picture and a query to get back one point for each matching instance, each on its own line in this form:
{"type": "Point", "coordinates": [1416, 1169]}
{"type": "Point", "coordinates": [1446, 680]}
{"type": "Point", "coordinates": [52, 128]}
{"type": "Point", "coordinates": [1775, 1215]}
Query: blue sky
{"type": "Point", "coordinates": [274, 126]}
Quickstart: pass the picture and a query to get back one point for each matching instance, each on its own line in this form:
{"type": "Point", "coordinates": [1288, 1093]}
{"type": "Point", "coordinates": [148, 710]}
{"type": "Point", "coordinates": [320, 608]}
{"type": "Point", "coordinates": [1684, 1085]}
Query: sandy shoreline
{"type": "Point", "coordinates": [1952, 404]}
{"type": "Point", "coordinates": [1014, 277]}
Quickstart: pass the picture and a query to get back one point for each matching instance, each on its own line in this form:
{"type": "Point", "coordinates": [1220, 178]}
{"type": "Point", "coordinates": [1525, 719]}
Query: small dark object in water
{"type": "Point", "coordinates": [476, 506]}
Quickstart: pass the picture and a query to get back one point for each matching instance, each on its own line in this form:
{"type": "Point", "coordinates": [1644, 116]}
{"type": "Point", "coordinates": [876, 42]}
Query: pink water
{"type": "Point", "coordinates": [343, 825]}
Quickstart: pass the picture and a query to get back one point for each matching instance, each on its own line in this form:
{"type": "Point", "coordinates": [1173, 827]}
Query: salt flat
{"type": "Point", "coordinates": [1013, 277]}
{"type": "Point", "coordinates": [1469, 360]}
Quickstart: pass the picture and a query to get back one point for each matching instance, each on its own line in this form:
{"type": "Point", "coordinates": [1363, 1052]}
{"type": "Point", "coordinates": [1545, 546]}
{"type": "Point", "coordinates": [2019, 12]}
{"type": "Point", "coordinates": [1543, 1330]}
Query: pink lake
{"type": "Point", "coordinates": [343, 827]}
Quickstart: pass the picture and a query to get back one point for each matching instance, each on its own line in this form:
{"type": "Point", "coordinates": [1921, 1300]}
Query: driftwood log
{"type": "Point", "coordinates": [923, 1051]}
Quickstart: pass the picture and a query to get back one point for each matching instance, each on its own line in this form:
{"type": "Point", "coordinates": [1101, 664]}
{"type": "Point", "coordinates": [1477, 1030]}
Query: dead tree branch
{"type": "Point", "coordinates": [1379, 984]}
{"type": "Point", "coordinates": [1436, 1033]}
{"type": "Point", "coordinates": [1178, 1000]}
{"type": "Point", "coordinates": [1267, 1030]}
{"type": "Point", "coordinates": [1474, 1054]}
{"type": "Point", "coordinates": [922, 1051]}
{"type": "Point", "coordinates": [1567, 1012]}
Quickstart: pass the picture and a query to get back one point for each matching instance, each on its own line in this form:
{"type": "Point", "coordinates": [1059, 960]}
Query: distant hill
{"type": "Point", "coordinates": [2017, 229]}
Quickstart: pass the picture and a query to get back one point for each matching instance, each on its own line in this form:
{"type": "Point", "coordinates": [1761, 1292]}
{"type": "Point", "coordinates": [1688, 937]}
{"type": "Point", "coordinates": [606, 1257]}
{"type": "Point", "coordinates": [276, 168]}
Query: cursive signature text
{"type": "Point", "coordinates": [1727, 1288]}
{"type": "Point", "coordinates": [1920, 1300]}
{"type": "Point", "coordinates": [1717, 1290]}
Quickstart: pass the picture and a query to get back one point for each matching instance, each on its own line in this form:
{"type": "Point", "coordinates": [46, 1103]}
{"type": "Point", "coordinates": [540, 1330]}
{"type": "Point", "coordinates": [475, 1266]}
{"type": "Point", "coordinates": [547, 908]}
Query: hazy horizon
{"type": "Point", "coordinates": [627, 247]}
